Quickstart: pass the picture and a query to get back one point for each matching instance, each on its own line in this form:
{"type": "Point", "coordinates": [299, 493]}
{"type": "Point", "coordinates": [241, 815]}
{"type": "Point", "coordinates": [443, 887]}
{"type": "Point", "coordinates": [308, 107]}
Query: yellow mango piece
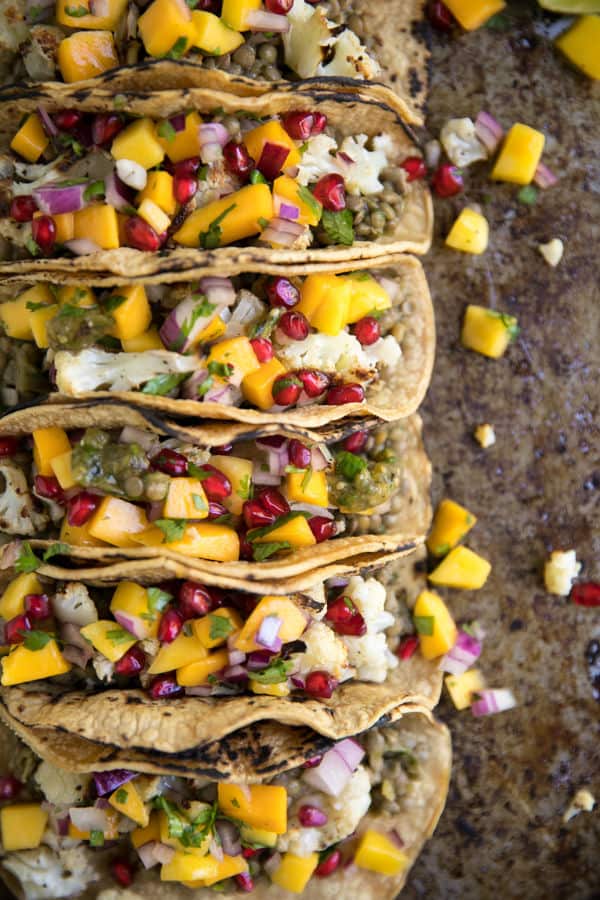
{"type": "Point", "coordinates": [462, 687]}
{"type": "Point", "coordinates": [470, 233]}
{"type": "Point", "coordinates": [39, 293]}
{"type": "Point", "coordinates": [22, 665]}
{"type": "Point", "coordinates": [205, 540]}
{"type": "Point", "coordinates": [235, 356]}
{"type": "Point", "coordinates": [307, 487]}
{"type": "Point", "coordinates": [239, 473]}
{"type": "Point", "coordinates": [271, 132]}
{"type": "Point", "coordinates": [213, 331]}
{"type": "Point", "coordinates": [133, 315]}
{"type": "Point", "coordinates": [259, 805]}
{"type": "Point", "coordinates": [61, 468]}
{"type": "Point", "coordinates": [293, 622]}
{"type": "Point", "coordinates": [212, 36]}
{"type": "Point", "coordinates": [250, 835]}
{"type": "Point", "coordinates": [461, 569]}
{"type": "Point", "coordinates": [366, 296]}
{"type": "Point", "coordinates": [31, 140]}
{"type": "Point", "coordinates": [76, 295]}
{"type": "Point", "coordinates": [166, 838]}
{"type": "Point", "coordinates": [378, 853]}
{"type": "Point", "coordinates": [580, 45]}
{"type": "Point", "coordinates": [16, 319]}
{"type": "Point", "coordinates": [86, 54]}
{"type": "Point", "coordinates": [151, 213]}
{"type": "Point", "coordinates": [450, 524]}
{"type": "Point", "coordinates": [116, 520]}
{"type": "Point", "coordinates": [293, 872]}
{"type": "Point", "coordinates": [149, 340]}
{"type": "Point", "coordinates": [295, 532]}
{"type": "Point", "coordinates": [77, 834]}
{"type": "Point", "coordinates": [195, 673]}
{"type": "Point", "coordinates": [487, 331]}
{"type": "Point", "coordinates": [108, 638]}
{"type": "Point", "coordinates": [115, 10]}
{"type": "Point", "coordinates": [230, 219]}
{"type": "Point", "coordinates": [133, 600]}
{"type": "Point", "coordinates": [180, 652]}
{"type": "Point", "coordinates": [78, 535]}
{"type": "Point", "coordinates": [97, 223]}
{"type": "Point", "coordinates": [234, 12]}
{"type": "Point", "coordinates": [280, 689]}
{"type": "Point", "coordinates": [48, 443]}
{"type": "Point", "coordinates": [166, 27]}
{"type": "Point", "coordinates": [12, 602]}
{"type": "Point", "coordinates": [159, 189]}
{"type": "Point", "coordinates": [22, 826]}
{"type": "Point", "coordinates": [290, 191]}
{"type": "Point", "coordinates": [189, 867]}
{"type": "Point", "coordinates": [227, 868]}
{"type": "Point", "coordinates": [151, 832]}
{"type": "Point", "coordinates": [257, 387]}
{"type": "Point", "coordinates": [185, 500]}
{"type": "Point", "coordinates": [472, 14]}
{"type": "Point", "coordinates": [38, 322]}
{"type": "Point", "coordinates": [139, 142]}
{"type": "Point", "coordinates": [325, 301]}
{"type": "Point", "coordinates": [437, 630]}
{"type": "Point", "coordinates": [215, 628]}
{"type": "Point", "coordinates": [127, 801]}
{"type": "Point", "coordinates": [519, 155]}
{"type": "Point", "coordinates": [152, 536]}
{"type": "Point", "coordinates": [185, 143]}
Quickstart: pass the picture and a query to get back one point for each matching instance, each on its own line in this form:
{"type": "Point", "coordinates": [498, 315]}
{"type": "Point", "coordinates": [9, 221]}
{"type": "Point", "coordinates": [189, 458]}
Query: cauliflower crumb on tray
{"type": "Point", "coordinates": [560, 571]}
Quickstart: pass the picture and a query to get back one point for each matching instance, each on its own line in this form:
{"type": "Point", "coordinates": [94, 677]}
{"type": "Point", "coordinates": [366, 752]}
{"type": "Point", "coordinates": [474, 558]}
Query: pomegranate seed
{"type": "Point", "coordinates": [320, 684]}
{"type": "Point", "coordinates": [184, 188]}
{"type": "Point", "coordinates": [312, 763]}
{"type": "Point", "coordinates": [280, 7]}
{"type": "Point", "coordinates": [171, 462]}
{"type": "Point", "coordinates": [194, 600]}
{"type": "Point", "coordinates": [281, 292]}
{"type": "Point", "coordinates": [8, 446]}
{"type": "Point", "coordinates": [300, 456]}
{"type": "Point", "coordinates": [273, 440]}
{"type": "Point", "coordinates": [367, 330]}
{"type": "Point", "coordinates": [22, 209]}
{"type": "Point", "coordinates": [43, 231]}
{"type": "Point", "coordinates": [67, 119]}
{"type": "Point", "coordinates": [37, 606]}
{"type": "Point", "coordinates": [186, 167]}
{"type": "Point", "coordinates": [246, 548]}
{"type": "Point", "coordinates": [329, 864]}
{"type": "Point", "coordinates": [322, 528]}
{"type": "Point", "coordinates": [272, 160]}
{"type": "Point", "coordinates": [286, 390]}
{"type": "Point", "coordinates": [122, 872]}
{"type": "Point", "coordinates": [274, 502]}
{"type": "Point", "coordinates": [105, 127]}
{"type": "Point", "coordinates": [330, 191]}
{"type": "Point", "coordinates": [245, 882]}
{"type": "Point", "coordinates": [47, 486]}
{"type": "Point", "coordinates": [141, 236]}
{"type": "Point", "coordinates": [14, 628]}
{"type": "Point", "coordinates": [222, 450]}
{"type": "Point", "coordinates": [256, 515]}
{"type": "Point", "coordinates": [440, 16]}
{"type": "Point", "coordinates": [586, 594]}
{"type": "Point", "coordinates": [294, 325]}
{"type": "Point", "coordinates": [345, 393]}
{"type": "Point", "coordinates": [407, 646]}
{"type": "Point", "coordinates": [447, 180]}
{"type": "Point", "coordinates": [165, 686]}
{"type": "Point", "coordinates": [415, 167]}
{"type": "Point", "coordinates": [10, 787]}
{"type": "Point", "coordinates": [356, 442]}
{"type": "Point", "coordinates": [81, 508]}
{"type": "Point", "coordinates": [263, 348]}
{"type": "Point", "coordinates": [301, 125]}
{"type": "Point", "coordinates": [345, 617]}
{"type": "Point", "coordinates": [314, 382]}
{"type": "Point", "coordinates": [216, 510]}
{"type": "Point", "coordinates": [248, 852]}
{"type": "Point", "coordinates": [132, 662]}
{"type": "Point", "coordinates": [216, 486]}
{"type": "Point", "coordinates": [312, 816]}
{"type": "Point", "coordinates": [171, 623]}
{"type": "Point", "coordinates": [238, 160]}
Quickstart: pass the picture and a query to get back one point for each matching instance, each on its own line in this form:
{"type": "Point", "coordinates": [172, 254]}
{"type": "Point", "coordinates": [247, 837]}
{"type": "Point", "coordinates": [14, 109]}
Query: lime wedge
{"type": "Point", "coordinates": [571, 6]}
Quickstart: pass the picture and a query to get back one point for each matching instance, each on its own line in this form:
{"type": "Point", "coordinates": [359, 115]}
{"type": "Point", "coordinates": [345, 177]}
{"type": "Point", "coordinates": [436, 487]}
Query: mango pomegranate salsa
{"type": "Point", "coordinates": [190, 180]}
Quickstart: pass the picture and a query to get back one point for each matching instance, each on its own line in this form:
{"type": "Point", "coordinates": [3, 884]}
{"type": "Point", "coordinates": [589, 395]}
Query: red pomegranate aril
{"type": "Point", "coordinates": [415, 167]}
{"type": "Point", "coordinates": [280, 7]}
{"type": "Point", "coordinates": [186, 167]}
{"type": "Point", "coordinates": [132, 662]}
{"type": "Point", "coordinates": [245, 882]}
{"type": "Point", "coordinates": [274, 502]}
{"type": "Point", "coordinates": [447, 180]}
{"type": "Point", "coordinates": [272, 159]}
{"type": "Point", "coordinates": [222, 450]}
{"type": "Point", "coordinates": [105, 127]}
{"type": "Point", "coordinates": [313, 381]}
{"type": "Point", "coordinates": [299, 454]}
{"type": "Point", "coordinates": [281, 292]}
{"type": "Point", "coordinates": [263, 348]}
{"type": "Point", "coordinates": [81, 507]}
{"type": "Point", "coordinates": [217, 486]}
{"type": "Point", "coordinates": [330, 191]}
{"type": "Point", "coordinates": [356, 442]}
{"type": "Point", "coordinates": [345, 617]}
{"type": "Point", "coordinates": [8, 446]}
{"type": "Point", "coordinates": [407, 646]}
{"type": "Point", "coordinates": [312, 763]}
{"type": "Point", "coordinates": [367, 330]}
{"type": "Point", "coordinates": [47, 486]}
{"type": "Point", "coordinates": [194, 600]}
{"type": "Point", "coordinates": [171, 623]}
{"type": "Point", "coordinates": [586, 594]}
{"type": "Point", "coordinates": [37, 606]}
{"type": "Point", "coordinates": [329, 865]}
{"type": "Point", "coordinates": [122, 872]}
{"type": "Point", "coordinates": [141, 236]}
{"type": "Point", "coordinates": [294, 325]}
{"type": "Point", "coordinates": [13, 629]}
{"type": "Point", "coordinates": [320, 684]}
{"type": "Point", "coordinates": [286, 390]}
{"type": "Point", "coordinates": [345, 393]}
{"type": "Point", "coordinates": [43, 232]}
{"type": "Point", "coordinates": [165, 686]}
{"type": "Point", "coordinates": [184, 188]}
{"type": "Point", "coordinates": [170, 462]}
{"type": "Point", "coordinates": [311, 816]}
{"type": "Point", "coordinates": [22, 209]}
{"type": "Point", "coordinates": [10, 787]}
{"type": "Point", "coordinates": [299, 124]}
{"type": "Point", "coordinates": [440, 16]}
{"type": "Point", "coordinates": [216, 510]}
{"type": "Point", "coordinates": [256, 515]}
{"type": "Point", "coordinates": [248, 852]}
{"type": "Point", "coordinates": [67, 119]}
{"type": "Point", "coordinates": [238, 160]}
{"type": "Point", "coordinates": [246, 548]}
{"type": "Point", "coordinates": [322, 528]}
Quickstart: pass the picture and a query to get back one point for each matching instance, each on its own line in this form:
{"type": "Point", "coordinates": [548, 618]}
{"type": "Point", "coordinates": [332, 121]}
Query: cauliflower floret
{"type": "Point", "coordinates": [559, 572]}
{"type": "Point", "coordinates": [248, 310]}
{"type": "Point", "coordinates": [384, 352]}
{"type": "Point", "coordinates": [18, 514]}
{"type": "Point", "coordinates": [361, 176]}
{"type": "Point", "coordinates": [461, 143]}
{"type": "Point", "coordinates": [552, 251]}
{"type": "Point", "coordinates": [318, 159]}
{"type": "Point", "coordinates": [60, 786]}
{"type": "Point", "coordinates": [330, 353]}
{"type": "Point", "coordinates": [44, 874]}
{"type": "Point", "coordinates": [324, 650]}
{"type": "Point", "coordinates": [369, 654]}
{"type": "Point", "coordinates": [307, 36]}
{"type": "Point", "coordinates": [369, 596]}
{"type": "Point", "coordinates": [103, 667]}
{"type": "Point", "coordinates": [72, 603]}
{"type": "Point", "coordinates": [218, 182]}
{"type": "Point", "coordinates": [350, 59]}
{"type": "Point", "coordinates": [91, 370]}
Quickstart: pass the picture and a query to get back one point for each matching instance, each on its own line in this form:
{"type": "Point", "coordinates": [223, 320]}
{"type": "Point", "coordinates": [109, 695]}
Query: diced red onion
{"type": "Point", "coordinates": [62, 826]}
{"type": "Point", "coordinates": [236, 657]}
{"type": "Point", "coordinates": [219, 291]}
{"type": "Point", "coordinates": [132, 174]}
{"type": "Point", "coordinates": [282, 231]}
{"type": "Point", "coordinates": [155, 510]}
{"type": "Point", "coordinates": [146, 439]}
{"type": "Point", "coordinates": [272, 864]}
{"type": "Point", "coordinates": [260, 476]}
{"type": "Point", "coordinates": [285, 210]}
{"type": "Point", "coordinates": [226, 395]}
{"type": "Point", "coordinates": [312, 509]}
{"type": "Point", "coordinates": [70, 633]}
{"type": "Point", "coordinates": [177, 123]}
{"type": "Point", "coordinates": [318, 460]}
{"type": "Point", "coordinates": [191, 384]}
{"type": "Point", "coordinates": [82, 247]}
{"type": "Point", "coordinates": [489, 131]}
{"type": "Point", "coordinates": [88, 818]}
{"type": "Point", "coordinates": [304, 399]}
{"type": "Point", "coordinates": [351, 751]}
{"type": "Point", "coordinates": [147, 854]}
{"type": "Point", "coordinates": [260, 20]}
{"type": "Point", "coordinates": [235, 674]}
{"type": "Point", "coordinates": [291, 171]}
{"type": "Point", "coordinates": [49, 126]}
{"type": "Point", "coordinates": [337, 582]}
{"type": "Point", "coordinates": [53, 200]}
{"type": "Point", "coordinates": [133, 624]}
{"type": "Point", "coordinates": [298, 682]}
{"type": "Point", "coordinates": [493, 701]}
{"type": "Point", "coordinates": [215, 849]}
{"type": "Point", "coordinates": [395, 837]}
{"type": "Point", "coordinates": [116, 193]}
{"type": "Point", "coordinates": [258, 659]}
{"type": "Point", "coordinates": [462, 655]}
{"type": "Point", "coordinates": [277, 460]}
{"type": "Point", "coordinates": [107, 782]}
{"type": "Point", "coordinates": [544, 178]}
{"type": "Point", "coordinates": [164, 853]}
{"type": "Point", "coordinates": [268, 633]}
{"type": "Point", "coordinates": [100, 8]}
{"type": "Point", "coordinates": [230, 837]}
{"type": "Point", "coordinates": [175, 333]}
{"type": "Point", "coordinates": [212, 138]}
{"type": "Point", "coordinates": [335, 769]}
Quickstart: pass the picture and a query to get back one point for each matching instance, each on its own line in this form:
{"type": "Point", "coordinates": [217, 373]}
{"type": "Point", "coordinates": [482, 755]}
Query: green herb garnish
{"type": "Point", "coordinates": [178, 48]}
{"type": "Point", "coordinates": [528, 195]}
{"type": "Point", "coordinates": [220, 627]}
{"type": "Point", "coordinates": [210, 240]}
{"type": "Point", "coordinates": [173, 529]}
{"type": "Point", "coordinates": [95, 189]}
{"type": "Point", "coordinates": [165, 130]}
{"type": "Point", "coordinates": [114, 302]}
{"type": "Point", "coordinates": [257, 177]}
{"type": "Point", "coordinates": [35, 640]}
{"type": "Point", "coordinates": [96, 838]}
{"type": "Point", "coordinates": [309, 199]}
{"type": "Point", "coordinates": [163, 384]}
{"type": "Point", "coordinates": [122, 795]}
{"type": "Point", "coordinates": [338, 226]}
{"type": "Point", "coordinates": [76, 12]}
{"type": "Point", "coordinates": [158, 600]}
{"type": "Point", "coordinates": [424, 624]}
{"type": "Point", "coordinates": [245, 489]}
{"type": "Point", "coordinates": [199, 503]}
{"type": "Point", "coordinates": [221, 370]}
{"type": "Point", "coordinates": [275, 672]}
{"type": "Point", "coordinates": [27, 561]}
{"type": "Point", "coordinates": [260, 552]}
{"type": "Point", "coordinates": [54, 550]}
{"type": "Point", "coordinates": [119, 635]}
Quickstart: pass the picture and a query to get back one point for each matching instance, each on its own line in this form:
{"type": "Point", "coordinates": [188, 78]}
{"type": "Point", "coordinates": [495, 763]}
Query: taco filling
{"type": "Point", "coordinates": [83, 182]}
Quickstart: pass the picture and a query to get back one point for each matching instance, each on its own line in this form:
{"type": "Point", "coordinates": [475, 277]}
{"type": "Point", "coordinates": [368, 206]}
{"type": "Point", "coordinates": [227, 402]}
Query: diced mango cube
{"type": "Point", "coordinates": [271, 132]}
{"type": "Point", "coordinates": [115, 9]}
{"type": "Point", "coordinates": [149, 340]}
{"type": "Point", "coordinates": [291, 192]}
{"type": "Point", "coordinates": [293, 872]}
{"type": "Point", "coordinates": [185, 143]}
{"type": "Point", "coordinates": [108, 638]}
{"type": "Point", "coordinates": [378, 853]}
{"type": "Point", "coordinates": [31, 140]}
{"type": "Point", "coordinates": [279, 689]}
{"type": "Point", "coordinates": [134, 600]}
{"type": "Point", "coordinates": [151, 213]}
{"type": "Point", "coordinates": [259, 805]}
{"type": "Point", "coordinates": [215, 329]}
{"type": "Point", "coordinates": [140, 143]}
{"type": "Point", "coordinates": [22, 665]}
{"type": "Point", "coordinates": [293, 622]}
{"type": "Point", "coordinates": [86, 54]}
{"type": "Point", "coordinates": [185, 649]}
{"type": "Point", "coordinates": [78, 535]}
{"type": "Point", "coordinates": [127, 801]}
{"type": "Point", "coordinates": [189, 867]}
{"type": "Point", "coordinates": [213, 36]}
{"type": "Point", "coordinates": [166, 27]}
{"type": "Point", "coordinates": [65, 227]}
{"type": "Point", "coordinates": [206, 540]}
{"type": "Point", "coordinates": [580, 45]}
{"type": "Point", "coordinates": [239, 472]}
{"type": "Point", "coordinates": [257, 387]}
{"type": "Point", "coordinates": [235, 12]}
{"type": "Point", "coordinates": [462, 687]}
{"type": "Point", "coordinates": [63, 472]}
{"type": "Point", "coordinates": [472, 14]}
{"type": "Point", "coordinates": [367, 296]}
{"type": "Point", "coordinates": [76, 295]}
{"type": "Point", "coordinates": [186, 500]}
{"type": "Point", "coordinates": [159, 189]}
{"type": "Point", "coordinates": [232, 360]}
{"type": "Point", "coordinates": [198, 672]}
{"type": "Point", "coordinates": [132, 314]}
{"type": "Point", "coordinates": [12, 602]}
{"type": "Point", "coordinates": [38, 321]}
{"type": "Point", "coordinates": [296, 532]}
{"type": "Point", "coordinates": [16, 315]}
{"type": "Point", "coordinates": [97, 223]}
{"type": "Point", "coordinates": [230, 219]}
{"type": "Point", "coordinates": [215, 628]}
{"type": "Point", "coordinates": [250, 835]}
{"type": "Point", "coordinates": [461, 569]}
{"type": "Point", "coordinates": [116, 521]}
{"type": "Point", "coordinates": [488, 331]}
{"type": "Point", "coordinates": [228, 867]}
{"type": "Point", "coordinates": [171, 841]}
{"type": "Point", "coordinates": [151, 832]}
{"type": "Point", "coordinates": [22, 826]}
{"type": "Point", "coordinates": [519, 155]}
{"type": "Point", "coordinates": [450, 524]}
{"type": "Point", "coordinates": [470, 232]}
{"type": "Point", "coordinates": [436, 627]}
{"type": "Point", "coordinates": [325, 301]}
{"type": "Point", "coordinates": [309, 486]}
{"type": "Point", "coordinates": [48, 443]}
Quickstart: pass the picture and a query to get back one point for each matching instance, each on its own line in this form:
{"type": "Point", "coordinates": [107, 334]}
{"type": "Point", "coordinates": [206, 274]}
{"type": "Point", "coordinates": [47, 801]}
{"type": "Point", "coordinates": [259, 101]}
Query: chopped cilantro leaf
{"type": "Point", "coordinates": [163, 384]}
{"type": "Point", "coordinates": [220, 627]}
{"type": "Point", "coordinates": [528, 195]}
{"type": "Point", "coordinates": [309, 199]}
{"type": "Point", "coordinates": [122, 795]}
{"type": "Point", "coordinates": [210, 240]}
{"type": "Point", "coordinates": [178, 48]}
{"type": "Point", "coordinates": [338, 226]}
{"type": "Point", "coordinates": [173, 529]}
{"type": "Point", "coordinates": [158, 600]}
{"type": "Point", "coordinates": [114, 302]}
{"type": "Point", "coordinates": [76, 12]}
{"type": "Point", "coordinates": [35, 640]}
{"type": "Point", "coordinates": [119, 635]}
{"type": "Point", "coordinates": [95, 189]}
{"type": "Point", "coordinates": [96, 838]}
{"type": "Point", "coordinates": [27, 561]}
{"type": "Point", "coordinates": [424, 624]}
{"type": "Point", "coordinates": [274, 673]}
{"type": "Point", "coordinates": [55, 550]}
{"type": "Point", "coordinates": [257, 177]}
{"type": "Point", "coordinates": [33, 247]}
{"type": "Point", "coordinates": [260, 552]}
{"type": "Point", "coordinates": [199, 502]}
{"type": "Point", "coordinates": [221, 370]}
{"type": "Point", "coordinates": [165, 130]}
{"type": "Point", "coordinates": [245, 489]}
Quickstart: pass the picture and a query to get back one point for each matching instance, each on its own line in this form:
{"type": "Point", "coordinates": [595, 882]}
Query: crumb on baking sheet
{"type": "Point", "coordinates": [485, 435]}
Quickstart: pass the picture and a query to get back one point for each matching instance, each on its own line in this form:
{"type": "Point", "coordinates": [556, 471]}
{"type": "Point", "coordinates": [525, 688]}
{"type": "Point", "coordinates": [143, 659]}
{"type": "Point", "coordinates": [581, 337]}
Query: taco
{"type": "Point", "coordinates": [172, 45]}
{"type": "Point", "coordinates": [329, 345]}
{"type": "Point", "coordinates": [172, 180]}
{"type": "Point", "coordinates": [371, 801]}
